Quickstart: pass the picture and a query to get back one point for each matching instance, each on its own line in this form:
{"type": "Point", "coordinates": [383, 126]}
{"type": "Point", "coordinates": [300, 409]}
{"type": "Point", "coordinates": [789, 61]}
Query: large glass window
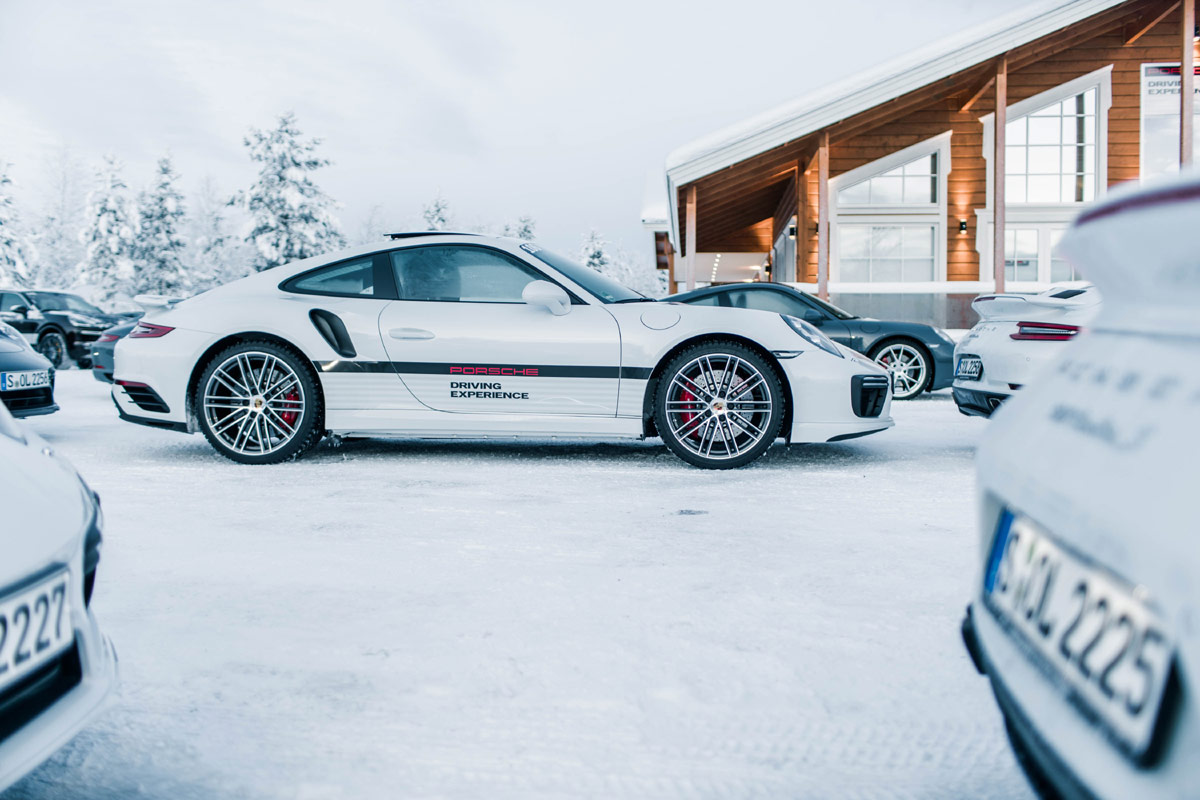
{"type": "Point", "coordinates": [354, 278]}
{"type": "Point", "coordinates": [886, 253]}
{"type": "Point", "coordinates": [1020, 254]}
{"type": "Point", "coordinates": [914, 183]}
{"type": "Point", "coordinates": [460, 274]}
{"type": "Point", "coordinates": [1050, 154]}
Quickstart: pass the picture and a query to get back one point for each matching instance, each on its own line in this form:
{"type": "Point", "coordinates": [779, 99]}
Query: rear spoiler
{"type": "Point", "coordinates": [1031, 306]}
{"type": "Point", "coordinates": [151, 301]}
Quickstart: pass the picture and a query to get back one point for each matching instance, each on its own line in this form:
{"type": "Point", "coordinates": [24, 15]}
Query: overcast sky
{"type": "Point", "coordinates": [553, 109]}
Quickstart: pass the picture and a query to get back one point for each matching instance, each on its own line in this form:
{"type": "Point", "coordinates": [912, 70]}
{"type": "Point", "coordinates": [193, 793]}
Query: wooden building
{"type": "Point", "coordinates": [880, 191]}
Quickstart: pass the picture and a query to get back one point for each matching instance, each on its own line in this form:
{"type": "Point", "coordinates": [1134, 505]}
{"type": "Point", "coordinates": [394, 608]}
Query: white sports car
{"type": "Point", "coordinates": [1086, 611]}
{"type": "Point", "coordinates": [1017, 336]}
{"type": "Point", "coordinates": [56, 668]}
{"type": "Point", "coordinates": [459, 335]}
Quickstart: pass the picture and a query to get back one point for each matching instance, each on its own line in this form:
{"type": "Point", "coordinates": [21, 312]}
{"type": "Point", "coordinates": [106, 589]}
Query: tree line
{"type": "Point", "coordinates": [111, 245]}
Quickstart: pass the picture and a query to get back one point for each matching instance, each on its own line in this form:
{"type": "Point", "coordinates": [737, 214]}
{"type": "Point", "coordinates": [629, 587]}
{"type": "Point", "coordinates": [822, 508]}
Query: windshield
{"type": "Point", "coordinates": [830, 307]}
{"type": "Point", "coordinates": [602, 286]}
{"type": "Point", "coordinates": [53, 301]}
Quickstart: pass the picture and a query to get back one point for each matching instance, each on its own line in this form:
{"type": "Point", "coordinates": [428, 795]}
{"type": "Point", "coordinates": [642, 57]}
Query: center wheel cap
{"type": "Point", "coordinates": [718, 407]}
{"type": "Point", "coordinates": [257, 404]}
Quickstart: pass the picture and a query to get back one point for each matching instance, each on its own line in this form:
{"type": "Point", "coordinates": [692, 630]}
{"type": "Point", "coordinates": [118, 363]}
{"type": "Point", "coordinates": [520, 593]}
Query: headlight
{"type": "Point", "coordinates": [86, 321]}
{"type": "Point", "coordinates": [9, 332]}
{"type": "Point", "coordinates": [812, 335]}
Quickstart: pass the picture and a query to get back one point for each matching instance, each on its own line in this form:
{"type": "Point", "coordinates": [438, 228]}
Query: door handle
{"type": "Point", "coordinates": [410, 333]}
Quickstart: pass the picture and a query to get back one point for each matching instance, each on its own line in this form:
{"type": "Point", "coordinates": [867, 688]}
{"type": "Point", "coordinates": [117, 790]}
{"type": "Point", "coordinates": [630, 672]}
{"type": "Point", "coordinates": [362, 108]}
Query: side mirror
{"type": "Point", "coordinates": [21, 311]}
{"type": "Point", "coordinates": [548, 296]}
{"type": "Point", "coordinates": [813, 316]}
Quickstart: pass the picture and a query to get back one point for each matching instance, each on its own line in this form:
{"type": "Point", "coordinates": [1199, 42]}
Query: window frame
{"type": "Point", "coordinates": [575, 299]}
{"type": "Point", "coordinates": [384, 283]}
{"type": "Point", "coordinates": [891, 214]}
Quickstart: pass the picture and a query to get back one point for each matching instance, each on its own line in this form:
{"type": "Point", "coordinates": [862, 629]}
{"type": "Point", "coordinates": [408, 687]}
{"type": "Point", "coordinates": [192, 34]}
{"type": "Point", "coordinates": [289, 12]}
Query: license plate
{"type": "Point", "coordinates": [1094, 633]}
{"type": "Point", "coordinates": [35, 626]}
{"type": "Point", "coordinates": [14, 381]}
{"type": "Point", "coordinates": [969, 368]}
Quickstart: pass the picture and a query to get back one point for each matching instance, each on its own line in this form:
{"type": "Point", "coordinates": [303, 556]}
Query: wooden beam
{"type": "Point", "coordinates": [1187, 80]}
{"type": "Point", "coordinates": [979, 90]}
{"type": "Point", "coordinates": [823, 217]}
{"type": "Point", "coordinates": [801, 223]}
{"type": "Point", "coordinates": [1146, 28]}
{"type": "Point", "coordinates": [1001, 119]}
{"type": "Point", "coordinates": [691, 237]}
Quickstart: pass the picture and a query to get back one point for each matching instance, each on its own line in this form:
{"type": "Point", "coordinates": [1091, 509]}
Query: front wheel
{"type": "Point", "coordinates": [909, 367]}
{"type": "Point", "coordinates": [719, 405]}
{"type": "Point", "coordinates": [258, 403]}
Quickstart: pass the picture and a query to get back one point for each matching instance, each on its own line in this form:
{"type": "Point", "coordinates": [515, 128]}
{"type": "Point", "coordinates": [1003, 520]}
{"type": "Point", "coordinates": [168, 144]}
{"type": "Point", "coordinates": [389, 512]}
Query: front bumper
{"type": "Point", "coordinates": [826, 391]}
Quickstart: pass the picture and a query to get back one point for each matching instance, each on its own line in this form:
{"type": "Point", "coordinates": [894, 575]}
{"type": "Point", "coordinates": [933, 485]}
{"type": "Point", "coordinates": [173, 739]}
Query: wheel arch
{"type": "Point", "coordinates": [648, 427]}
{"type": "Point", "coordinates": [236, 338]}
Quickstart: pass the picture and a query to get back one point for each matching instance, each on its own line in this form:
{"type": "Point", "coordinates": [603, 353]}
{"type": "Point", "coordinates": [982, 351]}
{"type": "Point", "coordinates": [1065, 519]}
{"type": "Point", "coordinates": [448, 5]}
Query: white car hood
{"type": "Point", "coordinates": [42, 509]}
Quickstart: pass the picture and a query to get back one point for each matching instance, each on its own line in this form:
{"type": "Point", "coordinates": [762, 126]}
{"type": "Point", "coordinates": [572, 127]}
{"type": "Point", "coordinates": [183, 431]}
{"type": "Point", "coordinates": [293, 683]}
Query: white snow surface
{"type": "Point", "coordinates": [498, 619]}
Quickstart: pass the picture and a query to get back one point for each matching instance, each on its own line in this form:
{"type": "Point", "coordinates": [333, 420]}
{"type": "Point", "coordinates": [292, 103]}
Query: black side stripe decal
{"type": "Point", "coordinates": [483, 370]}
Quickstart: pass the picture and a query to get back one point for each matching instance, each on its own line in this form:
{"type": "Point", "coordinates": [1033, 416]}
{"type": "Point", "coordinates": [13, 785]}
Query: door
{"type": "Point", "coordinates": [462, 339]}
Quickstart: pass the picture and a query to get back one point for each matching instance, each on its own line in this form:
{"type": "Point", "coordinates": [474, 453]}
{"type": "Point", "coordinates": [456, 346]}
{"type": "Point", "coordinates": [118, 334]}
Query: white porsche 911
{"type": "Point", "coordinates": [56, 668]}
{"type": "Point", "coordinates": [459, 335]}
{"type": "Point", "coordinates": [1017, 336]}
{"type": "Point", "coordinates": [1085, 614]}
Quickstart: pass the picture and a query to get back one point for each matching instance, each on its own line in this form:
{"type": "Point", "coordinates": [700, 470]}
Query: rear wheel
{"type": "Point", "coordinates": [719, 405]}
{"type": "Point", "coordinates": [53, 345]}
{"type": "Point", "coordinates": [258, 403]}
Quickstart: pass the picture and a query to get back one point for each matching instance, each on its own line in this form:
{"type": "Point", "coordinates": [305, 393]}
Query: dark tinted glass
{"type": "Point", "coordinates": [354, 278]}
{"type": "Point", "coordinates": [460, 274]}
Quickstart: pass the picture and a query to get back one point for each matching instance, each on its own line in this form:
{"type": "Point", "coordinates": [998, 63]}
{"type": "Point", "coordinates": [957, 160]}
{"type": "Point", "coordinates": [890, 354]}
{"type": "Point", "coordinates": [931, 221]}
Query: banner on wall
{"type": "Point", "coordinates": [1160, 119]}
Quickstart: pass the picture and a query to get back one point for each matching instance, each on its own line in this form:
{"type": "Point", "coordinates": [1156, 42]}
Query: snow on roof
{"type": "Point", "coordinates": [873, 87]}
{"type": "Point", "coordinates": [655, 208]}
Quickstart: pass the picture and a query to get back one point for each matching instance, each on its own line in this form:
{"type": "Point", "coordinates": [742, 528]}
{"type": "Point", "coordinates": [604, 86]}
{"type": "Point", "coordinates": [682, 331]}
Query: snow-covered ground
{"type": "Point", "coordinates": [482, 619]}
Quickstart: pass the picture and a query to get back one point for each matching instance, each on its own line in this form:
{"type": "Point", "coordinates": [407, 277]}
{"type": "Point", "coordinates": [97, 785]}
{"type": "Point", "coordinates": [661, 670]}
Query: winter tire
{"type": "Point", "coordinates": [908, 364]}
{"type": "Point", "coordinates": [719, 405]}
{"type": "Point", "coordinates": [53, 345]}
{"type": "Point", "coordinates": [258, 403]}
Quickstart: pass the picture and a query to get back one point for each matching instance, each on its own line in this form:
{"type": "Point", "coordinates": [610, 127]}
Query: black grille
{"type": "Point", "coordinates": [868, 393]}
{"type": "Point", "coordinates": [145, 398]}
{"type": "Point", "coordinates": [37, 691]}
{"type": "Point", "coordinates": [28, 399]}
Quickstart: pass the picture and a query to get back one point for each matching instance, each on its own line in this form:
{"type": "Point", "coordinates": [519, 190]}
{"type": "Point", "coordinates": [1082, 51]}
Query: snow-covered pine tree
{"type": "Point", "coordinates": [594, 254]}
{"type": "Point", "coordinates": [106, 271]}
{"type": "Point", "coordinates": [158, 255]}
{"type": "Point", "coordinates": [619, 266]}
{"type": "Point", "coordinates": [216, 255]}
{"type": "Point", "coordinates": [14, 246]}
{"type": "Point", "coordinates": [291, 217]}
{"type": "Point", "coordinates": [522, 229]}
{"type": "Point", "coordinates": [59, 249]}
{"type": "Point", "coordinates": [437, 215]}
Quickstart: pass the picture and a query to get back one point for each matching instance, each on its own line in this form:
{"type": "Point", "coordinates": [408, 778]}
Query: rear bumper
{"type": "Point", "coordinates": [977, 403]}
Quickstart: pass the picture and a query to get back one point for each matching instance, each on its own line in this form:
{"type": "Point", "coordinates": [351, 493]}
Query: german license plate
{"type": "Point", "coordinates": [1095, 633]}
{"type": "Point", "coordinates": [969, 368]}
{"type": "Point", "coordinates": [35, 626]}
{"type": "Point", "coordinates": [14, 381]}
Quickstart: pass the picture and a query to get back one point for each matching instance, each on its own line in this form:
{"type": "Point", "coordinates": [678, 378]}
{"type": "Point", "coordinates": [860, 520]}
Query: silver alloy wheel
{"type": "Point", "coordinates": [908, 367]}
{"type": "Point", "coordinates": [718, 406]}
{"type": "Point", "coordinates": [253, 403]}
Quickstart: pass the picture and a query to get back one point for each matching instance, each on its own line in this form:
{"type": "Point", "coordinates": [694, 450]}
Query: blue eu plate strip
{"type": "Point", "coordinates": [998, 543]}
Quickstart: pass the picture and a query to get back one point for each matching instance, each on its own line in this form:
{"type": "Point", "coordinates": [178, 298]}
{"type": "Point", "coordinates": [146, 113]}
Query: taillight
{"type": "Point", "coordinates": [107, 337]}
{"type": "Point", "coordinates": [1044, 332]}
{"type": "Point", "coordinates": [148, 330]}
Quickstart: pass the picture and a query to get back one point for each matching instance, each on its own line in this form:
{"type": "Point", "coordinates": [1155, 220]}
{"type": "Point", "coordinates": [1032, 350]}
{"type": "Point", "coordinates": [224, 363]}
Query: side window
{"type": "Point", "coordinates": [8, 301]}
{"type": "Point", "coordinates": [706, 300]}
{"type": "Point", "coordinates": [346, 279]}
{"type": "Point", "coordinates": [460, 274]}
{"type": "Point", "coordinates": [766, 301]}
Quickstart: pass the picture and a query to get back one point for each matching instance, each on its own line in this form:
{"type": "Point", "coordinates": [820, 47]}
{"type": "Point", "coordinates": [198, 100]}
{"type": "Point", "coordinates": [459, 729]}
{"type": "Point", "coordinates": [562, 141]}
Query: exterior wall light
{"type": "Point", "coordinates": [962, 226]}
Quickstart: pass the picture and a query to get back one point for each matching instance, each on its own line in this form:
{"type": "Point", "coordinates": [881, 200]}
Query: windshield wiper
{"type": "Point", "coordinates": [636, 300]}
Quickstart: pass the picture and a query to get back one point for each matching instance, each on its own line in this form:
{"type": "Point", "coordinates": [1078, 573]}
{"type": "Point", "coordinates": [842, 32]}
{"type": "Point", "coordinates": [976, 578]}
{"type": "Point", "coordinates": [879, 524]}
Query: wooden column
{"type": "Point", "coordinates": [1001, 120]}
{"type": "Point", "coordinates": [690, 258]}
{"type": "Point", "coordinates": [1186, 82]}
{"type": "Point", "coordinates": [670, 263]}
{"type": "Point", "coordinates": [823, 217]}
{"type": "Point", "coordinates": [801, 222]}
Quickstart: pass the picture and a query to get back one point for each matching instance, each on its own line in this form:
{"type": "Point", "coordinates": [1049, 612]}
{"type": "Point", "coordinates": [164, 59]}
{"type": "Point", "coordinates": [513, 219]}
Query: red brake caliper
{"type": "Point", "coordinates": [688, 416]}
{"type": "Point", "coordinates": [290, 417]}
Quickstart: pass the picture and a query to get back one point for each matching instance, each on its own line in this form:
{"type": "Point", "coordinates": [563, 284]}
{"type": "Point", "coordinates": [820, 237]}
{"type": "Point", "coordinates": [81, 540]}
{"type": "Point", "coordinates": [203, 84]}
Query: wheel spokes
{"type": "Point", "coordinates": [718, 406]}
{"type": "Point", "coordinates": [253, 402]}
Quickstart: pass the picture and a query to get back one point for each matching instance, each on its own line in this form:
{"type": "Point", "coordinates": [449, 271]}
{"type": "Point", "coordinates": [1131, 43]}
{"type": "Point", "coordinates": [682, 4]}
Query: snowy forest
{"type": "Point", "coordinates": [98, 237]}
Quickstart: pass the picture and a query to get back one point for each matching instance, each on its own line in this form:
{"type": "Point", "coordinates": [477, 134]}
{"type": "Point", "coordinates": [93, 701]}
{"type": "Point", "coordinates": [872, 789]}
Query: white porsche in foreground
{"type": "Point", "coordinates": [1086, 611]}
{"type": "Point", "coordinates": [1017, 336]}
{"type": "Point", "coordinates": [56, 668]}
{"type": "Point", "coordinates": [459, 335]}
